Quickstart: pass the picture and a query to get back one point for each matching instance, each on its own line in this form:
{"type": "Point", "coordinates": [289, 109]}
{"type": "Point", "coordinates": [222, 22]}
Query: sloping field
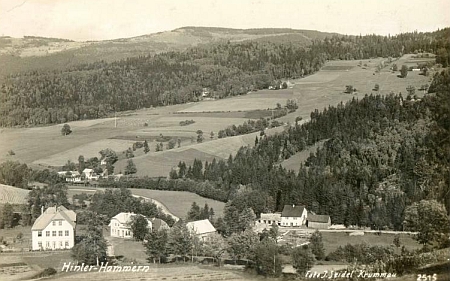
{"type": "Point", "coordinates": [294, 162]}
{"type": "Point", "coordinates": [260, 100]}
{"type": "Point", "coordinates": [89, 150]}
{"type": "Point", "coordinates": [156, 164]}
{"type": "Point", "coordinates": [12, 195]}
{"type": "Point", "coordinates": [179, 202]}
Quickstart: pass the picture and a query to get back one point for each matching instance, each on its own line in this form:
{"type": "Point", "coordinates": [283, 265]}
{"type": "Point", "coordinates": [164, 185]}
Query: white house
{"type": "Point", "coordinates": [120, 225]}
{"type": "Point", "coordinates": [89, 174]}
{"type": "Point", "coordinates": [293, 215]}
{"type": "Point", "coordinates": [202, 228]}
{"type": "Point", "coordinates": [54, 229]}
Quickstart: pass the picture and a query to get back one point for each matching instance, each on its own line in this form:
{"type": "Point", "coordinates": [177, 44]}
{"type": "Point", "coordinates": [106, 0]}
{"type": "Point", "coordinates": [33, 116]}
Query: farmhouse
{"type": "Point", "coordinates": [318, 221]}
{"type": "Point", "coordinates": [120, 225]}
{"type": "Point", "coordinates": [89, 174]}
{"type": "Point", "coordinates": [293, 215]}
{"type": "Point", "coordinates": [267, 219]}
{"type": "Point", "coordinates": [54, 229]}
{"type": "Point", "coordinates": [202, 229]}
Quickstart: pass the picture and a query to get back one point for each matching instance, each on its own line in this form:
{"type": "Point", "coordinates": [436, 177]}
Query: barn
{"type": "Point", "coordinates": [318, 221]}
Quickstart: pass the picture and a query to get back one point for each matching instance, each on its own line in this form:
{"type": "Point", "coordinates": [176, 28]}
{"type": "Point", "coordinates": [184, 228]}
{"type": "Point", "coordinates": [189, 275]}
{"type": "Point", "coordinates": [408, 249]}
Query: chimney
{"type": "Point", "coordinates": [42, 209]}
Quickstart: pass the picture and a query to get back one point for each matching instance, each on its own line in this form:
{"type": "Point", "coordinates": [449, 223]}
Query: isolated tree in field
{"type": "Point", "coordinates": [171, 144]}
{"type": "Point", "coordinates": [211, 135]}
{"type": "Point", "coordinates": [200, 136]}
{"type": "Point", "coordinates": [179, 142]}
{"type": "Point", "coordinates": [349, 89]}
{"type": "Point", "coordinates": [394, 67]}
{"type": "Point", "coordinates": [139, 227]}
{"type": "Point", "coordinates": [65, 130]}
{"type": "Point", "coordinates": [429, 218]}
{"type": "Point", "coordinates": [158, 148]}
{"type": "Point", "coordinates": [130, 168]}
{"type": "Point", "coordinates": [317, 245]}
{"type": "Point", "coordinates": [397, 240]}
{"type": "Point", "coordinates": [146, 148]}
{"type": "Point", "coordinates": [267, 260]}
{"type": "Point", "coordinates": [81, 163]}
{"type": "Point", "coordinates": [156, 245]}
{"type": "Point", "coordinates": [8, 216]}
{"type": "Point", "coordinates": [404, 71]}
{"type": "Point", "coordinates": [302, 259]}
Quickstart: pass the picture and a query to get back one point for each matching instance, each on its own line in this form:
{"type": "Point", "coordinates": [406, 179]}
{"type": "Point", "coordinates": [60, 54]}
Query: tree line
{"type": "Point", "coordinates": [362, 175]}
{"type": "Point", "coordinates": [95, 90]}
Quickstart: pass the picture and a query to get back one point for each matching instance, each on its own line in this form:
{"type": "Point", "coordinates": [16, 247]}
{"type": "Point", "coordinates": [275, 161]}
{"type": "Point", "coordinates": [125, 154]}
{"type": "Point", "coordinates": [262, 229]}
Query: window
{"type": "Point", "coordinates": [60, 223]}
{"type": "Point", "coordinates": [54, 244]}
{"type": "Point", "coordinates": [66, 233]}
{"type": "Point", "coordinates": [60, 244]}
{"type": "Point", "coordinates": [53, 223]}
{"type": "Point", "coordinates": [40, 245]}
{"type": "Point", "coordinates": [47, 233]}
{"type": "Point", "coordinates": [67, 244]}
{"type": "Point", "coordinates": [47, 244]}
{"type": "Point", "coordinates": [54, 233]}
{"type": "Point", "coordinates": [60, 233]}
{"type": "Point", "coordinates": [39, 233]}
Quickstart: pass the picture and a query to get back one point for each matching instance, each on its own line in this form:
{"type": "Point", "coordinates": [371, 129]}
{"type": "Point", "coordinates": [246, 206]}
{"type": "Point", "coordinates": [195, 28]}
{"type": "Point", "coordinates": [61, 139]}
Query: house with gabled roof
{"type": "Point", "coordinates": [54, 229]}
{"type": "Point", "coordinates": [202, 228]}
{"type": "Point", "coordinates": [293, 215]}
{"type": "Point", "coordinates": [318, 221]}
{"type": "Point", "coordinates": [120, 225]}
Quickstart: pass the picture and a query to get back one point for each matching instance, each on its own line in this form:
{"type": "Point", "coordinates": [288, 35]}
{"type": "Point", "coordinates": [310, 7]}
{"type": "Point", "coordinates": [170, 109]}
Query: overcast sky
{"type": "Point", "coordinates": [108, 19]}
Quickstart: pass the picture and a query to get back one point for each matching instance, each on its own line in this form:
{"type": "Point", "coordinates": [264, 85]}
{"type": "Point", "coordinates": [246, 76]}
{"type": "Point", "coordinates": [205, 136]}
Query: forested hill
{"type": "Point", "coordinates": [382, 155]}
{"type": "Point", "coordinates": [94, 90]}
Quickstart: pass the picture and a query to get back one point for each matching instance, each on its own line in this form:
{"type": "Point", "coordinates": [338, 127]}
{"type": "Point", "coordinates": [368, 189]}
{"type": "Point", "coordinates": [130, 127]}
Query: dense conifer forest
{"type": "Point", "coordinates": [97, 89]}
{"type": "Point", "coordinates": [382, 154]}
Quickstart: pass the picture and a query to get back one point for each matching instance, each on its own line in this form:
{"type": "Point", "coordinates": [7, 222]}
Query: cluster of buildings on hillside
{"type": "Point", "coordinates": [54, 229]}
{"type": "Point", "coordinates": [87, 175]}
{"type": "Point", "coordinates": [294, 216]}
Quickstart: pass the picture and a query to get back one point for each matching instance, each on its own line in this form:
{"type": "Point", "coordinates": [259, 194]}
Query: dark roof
{"type": "Point", "coordinates": [292, 211]}
{"type": "Point", "coordinates": [318, 218]}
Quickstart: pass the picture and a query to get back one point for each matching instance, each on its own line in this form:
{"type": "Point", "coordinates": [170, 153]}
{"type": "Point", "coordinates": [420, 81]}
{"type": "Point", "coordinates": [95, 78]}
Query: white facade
{"type": "Point", "coordinates": [54, 229]}
{"type": "Point", "coordinates": [119, 225]}
{"type": "Point", "coordinates": [296, 216]}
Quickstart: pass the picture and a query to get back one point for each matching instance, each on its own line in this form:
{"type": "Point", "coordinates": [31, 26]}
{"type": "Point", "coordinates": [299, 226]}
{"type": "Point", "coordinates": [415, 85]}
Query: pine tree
{"type": "Point", "coordinates": [146, 148]}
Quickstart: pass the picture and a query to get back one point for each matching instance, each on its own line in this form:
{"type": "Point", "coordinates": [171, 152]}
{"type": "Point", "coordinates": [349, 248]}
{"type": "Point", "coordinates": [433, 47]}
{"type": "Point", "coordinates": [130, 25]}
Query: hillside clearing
{"type": "Point", "coordinates": [12, 195]}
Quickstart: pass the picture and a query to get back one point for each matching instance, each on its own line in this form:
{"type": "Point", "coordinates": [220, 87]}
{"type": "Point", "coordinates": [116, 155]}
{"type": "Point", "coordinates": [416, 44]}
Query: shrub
{"type": "Point", "coordinates": [49, 271]}
{"type": "Point", "coordinates": [186, 122]}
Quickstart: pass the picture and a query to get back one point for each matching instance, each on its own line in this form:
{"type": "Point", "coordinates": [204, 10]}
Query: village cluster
{"type": "Point", "coordinates": [55, 228]}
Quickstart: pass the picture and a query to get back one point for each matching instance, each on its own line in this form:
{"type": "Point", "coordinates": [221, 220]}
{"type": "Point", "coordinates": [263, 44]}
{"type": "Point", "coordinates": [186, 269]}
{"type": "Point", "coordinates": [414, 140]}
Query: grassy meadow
{"type": "Point", "coordinates": [45, 146]}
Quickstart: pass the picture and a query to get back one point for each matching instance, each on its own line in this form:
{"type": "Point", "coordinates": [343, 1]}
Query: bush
{"type": "Point", "coordinates": [186, 122]}
{"type": "Point", "coordinates": [49, 271]}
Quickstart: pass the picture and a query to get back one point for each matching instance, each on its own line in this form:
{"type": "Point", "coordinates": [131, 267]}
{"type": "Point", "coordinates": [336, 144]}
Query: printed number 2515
{"type": "Point", "coordinates": [424, 277]}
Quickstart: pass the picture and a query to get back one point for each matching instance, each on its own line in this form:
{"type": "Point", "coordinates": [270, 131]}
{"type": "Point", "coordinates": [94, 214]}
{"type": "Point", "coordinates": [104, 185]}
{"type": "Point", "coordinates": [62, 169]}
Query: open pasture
{"type": "Point", "coordinates": [179, 202]}
{"type": "Point", "coordinates": [332, 240]}
{"type": "Point", "coordinates": [89, 150]}
{"type": "Point", "coordinates": [12, 195]}
{"type": "Point", "coordinates": [256, 100]}
{"type": "Point", "coordinates": [44, 146]}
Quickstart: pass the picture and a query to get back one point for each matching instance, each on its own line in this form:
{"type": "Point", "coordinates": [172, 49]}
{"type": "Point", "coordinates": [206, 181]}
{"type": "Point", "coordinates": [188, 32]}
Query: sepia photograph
{"type": "Point", "coordinates": [205, 140]}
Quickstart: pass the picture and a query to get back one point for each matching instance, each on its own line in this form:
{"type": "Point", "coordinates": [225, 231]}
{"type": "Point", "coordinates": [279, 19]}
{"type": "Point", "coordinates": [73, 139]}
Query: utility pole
{"type": "Point", "coordinates": [115, 119]}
